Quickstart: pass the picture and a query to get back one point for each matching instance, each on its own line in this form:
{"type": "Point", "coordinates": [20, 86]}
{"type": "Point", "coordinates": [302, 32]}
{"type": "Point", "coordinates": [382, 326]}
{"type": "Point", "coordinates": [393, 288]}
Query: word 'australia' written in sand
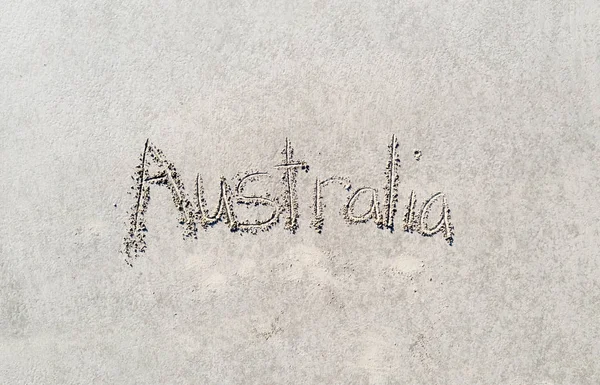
{"type": "Point", "coordinates": [155, 170]}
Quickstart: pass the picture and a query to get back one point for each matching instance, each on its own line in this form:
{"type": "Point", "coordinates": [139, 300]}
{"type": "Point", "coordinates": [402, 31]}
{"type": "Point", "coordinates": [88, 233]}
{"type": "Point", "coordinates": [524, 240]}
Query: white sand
{"type": "Point", "coordinates": [501, 99]}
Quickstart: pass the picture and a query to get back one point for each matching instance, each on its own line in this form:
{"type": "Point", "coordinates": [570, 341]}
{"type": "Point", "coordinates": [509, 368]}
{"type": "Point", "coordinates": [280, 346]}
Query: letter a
{"type": "Point", "coordinates": [442, 225]}
{"type": "Point", "coordinates": [154, 169]}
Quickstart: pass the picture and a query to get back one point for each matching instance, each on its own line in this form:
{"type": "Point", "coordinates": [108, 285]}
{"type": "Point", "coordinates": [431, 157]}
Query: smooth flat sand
{"type": "Point", "coordinates": [501, 99]}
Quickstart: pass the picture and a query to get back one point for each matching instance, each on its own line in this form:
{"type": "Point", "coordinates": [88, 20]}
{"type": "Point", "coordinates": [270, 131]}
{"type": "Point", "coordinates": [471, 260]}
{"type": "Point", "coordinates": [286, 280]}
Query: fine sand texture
{"type": "Point", "coordinates": [299, 192]}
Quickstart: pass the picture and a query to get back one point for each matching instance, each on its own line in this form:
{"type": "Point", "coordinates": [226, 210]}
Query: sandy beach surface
{"type": "Point", "coordinates": [299, 192]}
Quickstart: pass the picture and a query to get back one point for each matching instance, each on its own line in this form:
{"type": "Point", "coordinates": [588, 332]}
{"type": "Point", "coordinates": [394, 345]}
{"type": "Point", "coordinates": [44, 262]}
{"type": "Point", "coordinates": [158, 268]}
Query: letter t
{"type": "Point", "coordinates": [290, 171]}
